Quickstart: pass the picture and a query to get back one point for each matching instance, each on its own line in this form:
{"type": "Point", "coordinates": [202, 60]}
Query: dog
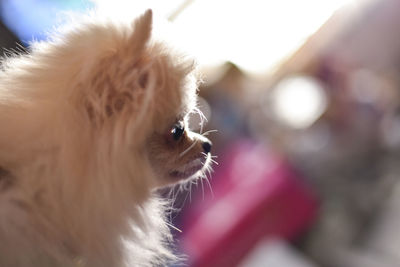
{"type": "Point", "coordinates": [93, 122]}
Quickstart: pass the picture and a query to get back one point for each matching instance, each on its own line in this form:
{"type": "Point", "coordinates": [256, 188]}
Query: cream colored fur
{"type": "Point", "coordinates": [77, 115]}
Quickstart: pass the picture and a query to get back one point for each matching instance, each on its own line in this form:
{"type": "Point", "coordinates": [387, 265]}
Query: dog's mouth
{"type": "Point", "coordinates": [188, 170]}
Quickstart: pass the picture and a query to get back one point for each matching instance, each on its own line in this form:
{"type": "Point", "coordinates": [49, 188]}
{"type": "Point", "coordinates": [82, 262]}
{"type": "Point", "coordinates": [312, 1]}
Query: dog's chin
{"type": "Point", "coordinates": [191, 169]}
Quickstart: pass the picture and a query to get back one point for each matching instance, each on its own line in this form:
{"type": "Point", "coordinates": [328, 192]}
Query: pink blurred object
{"type": "Point", "coordinates": [256, 195]}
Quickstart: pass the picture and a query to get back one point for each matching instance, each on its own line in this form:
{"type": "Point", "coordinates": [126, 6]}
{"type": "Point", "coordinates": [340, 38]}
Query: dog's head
{"type": "Point", "coordinates": [134, 97]}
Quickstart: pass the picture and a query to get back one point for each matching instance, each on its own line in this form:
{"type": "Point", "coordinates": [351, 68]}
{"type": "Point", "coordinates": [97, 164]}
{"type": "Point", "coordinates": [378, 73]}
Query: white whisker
{"type": "Point", "coordinates": [190, 192]}
{"type": "Point", "coordinates": [174, 196]}
{"type": "Point", "coordinates": [213, 161]}
{"type": "Point", "coordinates": [173, 227]}
{"type": "Point", "coordinates": [184, 200]}
{"type": "Point", "coordinates": [208, 132]}
{"type": "Point", "coordinates": [187, 149]}
{"type": "Point", "coordinates": [202, 187]}
{"type": "Point", "coordinates": [209, 185]}
{"type": "Point", "coordinates": [203, 118]}
{"type": "Point", "coordinates": [211, 158]}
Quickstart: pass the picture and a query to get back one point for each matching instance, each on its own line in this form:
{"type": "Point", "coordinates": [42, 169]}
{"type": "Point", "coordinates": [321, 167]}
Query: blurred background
{"type": "Point", "coordinates": [305, 95]}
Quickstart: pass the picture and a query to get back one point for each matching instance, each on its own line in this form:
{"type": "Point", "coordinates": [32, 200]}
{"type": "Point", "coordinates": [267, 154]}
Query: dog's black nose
{"type": "Point", "coordinates": [207, 146]}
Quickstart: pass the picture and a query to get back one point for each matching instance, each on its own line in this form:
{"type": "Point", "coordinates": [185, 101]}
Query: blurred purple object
{"type": "Point", "coordinates": [257, 195]}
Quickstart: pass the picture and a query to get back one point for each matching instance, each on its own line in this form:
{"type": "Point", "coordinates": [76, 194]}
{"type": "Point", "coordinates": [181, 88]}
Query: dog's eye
{"type": "Point", "coordinates": [177, 131]}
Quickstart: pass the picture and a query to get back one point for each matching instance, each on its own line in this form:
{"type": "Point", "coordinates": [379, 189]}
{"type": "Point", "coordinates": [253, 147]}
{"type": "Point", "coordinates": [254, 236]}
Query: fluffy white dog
{"type": "Point", "coordinates": [91, 123]}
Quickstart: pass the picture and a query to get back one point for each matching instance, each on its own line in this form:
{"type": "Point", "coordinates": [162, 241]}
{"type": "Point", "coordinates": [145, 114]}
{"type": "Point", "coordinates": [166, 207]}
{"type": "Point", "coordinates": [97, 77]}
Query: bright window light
{"type": "Point", "coordinates": [253, 34]}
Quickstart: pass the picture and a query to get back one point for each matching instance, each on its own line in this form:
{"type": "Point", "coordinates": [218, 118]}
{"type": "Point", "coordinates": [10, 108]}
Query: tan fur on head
{"type": "Point", "coordinates": [93, 122]}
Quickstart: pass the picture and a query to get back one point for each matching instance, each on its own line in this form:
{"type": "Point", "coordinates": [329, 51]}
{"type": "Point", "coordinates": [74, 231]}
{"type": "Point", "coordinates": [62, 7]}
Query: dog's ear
{"type": "Point", "coordinates": [141, 32]}
{"type": "Point", "coordinates": [122, 82]}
